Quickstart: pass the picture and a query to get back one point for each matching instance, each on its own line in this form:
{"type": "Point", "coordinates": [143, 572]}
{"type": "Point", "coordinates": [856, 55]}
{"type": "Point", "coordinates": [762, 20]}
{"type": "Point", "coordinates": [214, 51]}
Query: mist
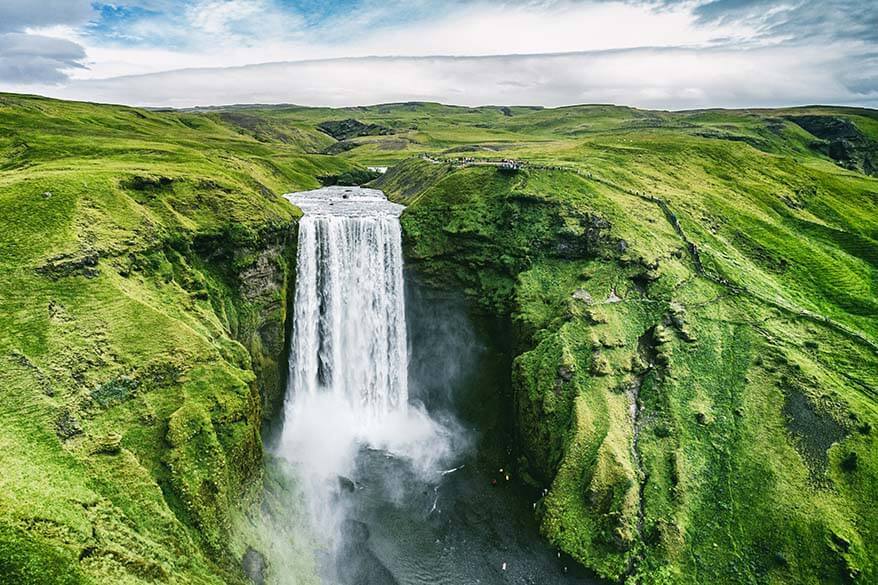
{"type": "Point", "coordinates": [339, 458]}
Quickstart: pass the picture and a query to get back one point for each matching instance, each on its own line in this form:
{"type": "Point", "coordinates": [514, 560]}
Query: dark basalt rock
{"type": "Point", "coordinates": [340, 147]}
{"type": "Point", "coordinates": [350, 128]}
{"type": "Point", "coordinates": [814, 428]}
{"type": "Point", "coordinates": [350, 178]}
{"type": "Point", "coordinates": [142, 183]}
{"type": "Point", "coordinates": [64, 265]}
{"type": "Point", "coordinates": [41, 377]}
{"type": "Point", "coordinates": [346, 484]}
{"type": "Point", "coordinates": [66, 425]}
{"type": "Point", "coordinates": [565, 373]}
{"type": "Point", "coordinates": [355, 532]}
{"type": "Point", "coordinates": [253, 565]}
{"type": "Point", "coordinates": [588, 239]}
{"type": "Point", "coordinates": [357, 564]}
{"type": "Point", "coordinates": [850, 462]}
{"type": "Point", "coordinates": [842, 141]}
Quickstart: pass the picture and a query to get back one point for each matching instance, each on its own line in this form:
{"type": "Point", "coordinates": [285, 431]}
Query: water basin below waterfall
{"type": "Point", "coordinates": [417, 493]}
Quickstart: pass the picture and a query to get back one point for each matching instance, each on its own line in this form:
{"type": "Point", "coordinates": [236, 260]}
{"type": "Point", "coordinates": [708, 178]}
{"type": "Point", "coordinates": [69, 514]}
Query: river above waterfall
{"type": "Point", "coordinates": [346, 202]}
{"type": "Point", "coordinates": [398, 419]}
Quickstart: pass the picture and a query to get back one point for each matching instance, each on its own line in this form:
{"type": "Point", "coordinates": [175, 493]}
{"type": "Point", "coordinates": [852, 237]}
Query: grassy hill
{"type": "Point", "coordinates": [694, 294]}
{"type": "Point", "coordinates": [141, 256]}
{"type": "Point", "coordinates": [696, 302]}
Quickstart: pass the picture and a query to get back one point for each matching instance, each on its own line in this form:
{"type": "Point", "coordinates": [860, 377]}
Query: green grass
{"type": "Point", "coordinates": [146, 341]}
{"type": "Point", "coordinates": [722, 485]}
{"type": "Point", "coordinates": [712, 268]}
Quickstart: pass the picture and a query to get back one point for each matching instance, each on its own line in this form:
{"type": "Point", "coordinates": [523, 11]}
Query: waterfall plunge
{"type": "Point", "coordinates": [349, 334]}
{"type": "Point", "coordinates": [348, 357]}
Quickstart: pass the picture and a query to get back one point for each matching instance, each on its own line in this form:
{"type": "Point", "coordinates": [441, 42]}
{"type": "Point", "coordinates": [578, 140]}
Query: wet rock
{"type": "Point", "coordinates": [357, 564]}
{"type": "Point", "coordinates": [355, 531]}
{"type": "Point", "coordinates": [346, 484]}
{"type": "Point", "coordinates": [253, 565]}
{"type": "Point", "coordinates": [264, 277]}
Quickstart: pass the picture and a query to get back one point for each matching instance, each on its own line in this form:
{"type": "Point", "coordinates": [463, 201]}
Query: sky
{"type": "Point", "coordinates": [662, 54]}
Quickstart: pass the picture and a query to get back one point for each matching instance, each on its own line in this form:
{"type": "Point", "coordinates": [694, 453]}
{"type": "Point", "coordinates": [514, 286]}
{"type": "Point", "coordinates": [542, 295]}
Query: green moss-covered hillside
{"type": "Point", "coordinates": [694, 294]}
{"type": "Point", "coordinates": [144, 264]}
{"type": "Point", "coordinates": [697, 308]}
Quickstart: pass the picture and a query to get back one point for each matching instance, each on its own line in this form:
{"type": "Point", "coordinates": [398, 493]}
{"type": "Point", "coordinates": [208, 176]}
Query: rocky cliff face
{"type": "Point", "coordinates": [265, 271]}
{"type": "Point", "coordinates": [648, 368]}
{"type": "Point", "coordinates": [842, 141]}
{"type": "Point", "coordinates": [160, 358]}
{"type": "Point", "coordinates": [251, 276]}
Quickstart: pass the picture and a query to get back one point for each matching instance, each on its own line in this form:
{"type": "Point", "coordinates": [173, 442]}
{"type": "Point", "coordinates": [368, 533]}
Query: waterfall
{"type": "Point", "coordinates": [348, 383]}
{"type": "Point", "coordinates": [347, 395]}
{"type": "Point", "coordinates": [349, 335]}
{"type": "Point", "coordinates": [379, 489]}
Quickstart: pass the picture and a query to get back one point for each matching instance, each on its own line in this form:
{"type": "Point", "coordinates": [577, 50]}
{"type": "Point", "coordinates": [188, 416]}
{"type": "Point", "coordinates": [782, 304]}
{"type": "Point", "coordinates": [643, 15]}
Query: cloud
{"type": "Point", "coordinates": [16, 15]}
{"type": "Point", "coordinates": [798, 20]}
{"type": "Point", "coordinates": [240, 32]}
{"type": "Point", "coordinates": [29, 59]}
{"type": "Point", "coordinates": [659, 53]}
{"type": "Point", "coordinates": [666, 78]}
{"type": "Point", "coordinates": [197, 26]}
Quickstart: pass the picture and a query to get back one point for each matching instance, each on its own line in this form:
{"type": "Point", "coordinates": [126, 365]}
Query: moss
{"type": "Point", "coordinates": [28, 561]}
{"type": "Point", "coordinates": [670, 277]}
{"type": "Point", "coordinates": [544, 384]}
{"type": "Point", "coordinates": [199, 473]}
{"type": "Point", "coordinates": [132, 257]}
{"type": "Point", "coordinates": [651, 335]}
